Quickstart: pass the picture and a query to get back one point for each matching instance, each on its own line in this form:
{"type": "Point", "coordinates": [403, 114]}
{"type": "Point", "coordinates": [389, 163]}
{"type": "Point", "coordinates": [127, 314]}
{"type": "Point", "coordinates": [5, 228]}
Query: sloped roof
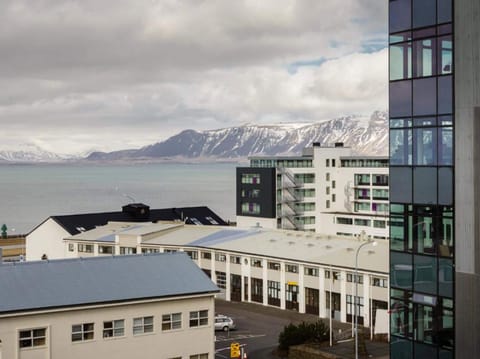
{"type": "Point", "coordinates": [42, 285]}
{"type": "Point", "coordinates": [77, 223]}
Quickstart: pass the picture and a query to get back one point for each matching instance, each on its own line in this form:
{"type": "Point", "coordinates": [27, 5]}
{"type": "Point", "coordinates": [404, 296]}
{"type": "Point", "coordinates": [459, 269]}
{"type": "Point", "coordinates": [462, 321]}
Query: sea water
{"type": "Point", "coordinates": [29, 194]}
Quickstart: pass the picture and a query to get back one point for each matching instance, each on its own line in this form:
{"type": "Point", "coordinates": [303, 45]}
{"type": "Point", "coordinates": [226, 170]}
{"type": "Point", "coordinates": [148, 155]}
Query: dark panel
{"type": "Point", "coordinates": [399, 15]}
{"type": "Point", "coordinates": [424, 13]}
{"type": "Point", "coordinates": [400, 99]}
{"type": "Point", "coordinates": [425, 185]}
{"type": "Point", "coordinates": [445, 186]}
{"type": "Point", "coordinates": [259, 192]}
{"type": "Point", "coordinates": [400, 184]}
{"type": "Point", "coordinates": [425, 96]}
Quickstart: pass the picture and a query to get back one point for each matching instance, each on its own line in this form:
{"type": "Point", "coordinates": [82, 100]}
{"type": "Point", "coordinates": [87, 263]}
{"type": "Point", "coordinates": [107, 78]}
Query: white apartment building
{"type": "Point", "coordinates": [107, 307]}
{"type": "Point", "coordinates": [326, 190]}
{"type": "Point", "coordinates": [291, 270]}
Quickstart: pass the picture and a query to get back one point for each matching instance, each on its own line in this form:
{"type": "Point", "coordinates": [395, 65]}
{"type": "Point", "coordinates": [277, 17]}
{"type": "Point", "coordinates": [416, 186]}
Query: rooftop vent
{"type": "Point", "coordinates": [138, 211]}
{"type": "Point", "coordinates": [316, 144]}
{"type": "Point", "coordinates": [338, 144]}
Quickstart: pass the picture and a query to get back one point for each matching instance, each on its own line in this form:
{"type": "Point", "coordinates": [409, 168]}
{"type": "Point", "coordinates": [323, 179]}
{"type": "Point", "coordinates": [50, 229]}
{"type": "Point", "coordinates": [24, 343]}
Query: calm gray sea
{"type": "Point", "coordinates": [31, 193]}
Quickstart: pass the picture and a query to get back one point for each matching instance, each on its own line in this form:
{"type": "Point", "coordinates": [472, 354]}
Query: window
{"type": "Point", "coordinates": [362, 222]}
{"type": "Point", "coordinates": [344, 220]}
{"type": "Point", "coordinates": [192, 254]}
{"type": "Point", "coordinates": [327, 176]}
{"type": "Point", "coordinates": [235, 260]}
{"type": "Point", "coordinates": [150, 250]}
{"type": "Point", "coordinates": [198, 318]}
{"type": "Point", "coordinates": [85, 248]}
{"type": "Point", "coordinates": [327, 203]}
{"type": "Point", "coordinates": [105, 249]}
{"type": "Point", "coordinates": [292, 268]}
{"type": "Point", "coordinates": [128, 250]}
{"type": "Point", "coordinates": [333, 162]}
{"type": "Point", "coordinates": [250, 208]}
{"type": "Point", "coordinates": [333, 184]}
{"type": "Point", "coordinates": [327, 162]}
{"type": "Point", "coordinates": [114, 328]}
{"type": "Point", "coordinates": [221, 279]}
{"type": "Point", "coordinates": [311, 271]}
{"type": "Point", "coordinates": [32, 337]}
{"type": "Point", "coordinates": [249, 193]}
{"type": "Point", "coordinates": [358, 277]}
{"type": "Point", "coordinates": [379, 224]}
{"type": "Point", "coordinates": [327, 190]}
{"type": "Point", "coordinates": [82, 332]}
{"type": "Point", "coordinates": [251, 178]}
{"type": "Point", "coordinates": [334, 197]}
{"type": "Point", "coordinates": [274, 265]}
{"type": "Point", "coordinates": [379, 282]}
{"type": "Point", "coordinates": [220, 257]}
{"type": "Point", "coordinates": [142, 325]}
{"type": "Point", "coordinates": [273, 290]}
{"type": "Point", "coordinates": [256, 262]}
{"type": "Point", "coordinates": [362, 179]}
{"type": "Point", "coordinates": [71, 247]}
{"type": "Point", "coordinates": [172, 321]}
{"type": "Point", "coordinates": [199, 356]}
{"type": "Point", "coordinates": [206, 255]}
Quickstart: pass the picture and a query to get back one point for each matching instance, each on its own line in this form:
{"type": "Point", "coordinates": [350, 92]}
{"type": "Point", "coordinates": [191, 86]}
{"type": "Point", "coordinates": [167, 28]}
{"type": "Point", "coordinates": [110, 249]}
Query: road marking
{"type": "Point", "coordinates": [238, 337]}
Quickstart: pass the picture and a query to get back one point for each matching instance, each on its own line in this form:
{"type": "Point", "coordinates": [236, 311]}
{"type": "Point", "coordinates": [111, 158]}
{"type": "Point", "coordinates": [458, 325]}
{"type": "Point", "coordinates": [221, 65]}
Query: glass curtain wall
{"type": "Point", "coordinates": [421, 112]}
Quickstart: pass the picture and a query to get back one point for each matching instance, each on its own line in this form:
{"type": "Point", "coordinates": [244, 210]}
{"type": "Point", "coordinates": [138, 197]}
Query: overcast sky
{"type": "Point", "coordinates": [78, 75]}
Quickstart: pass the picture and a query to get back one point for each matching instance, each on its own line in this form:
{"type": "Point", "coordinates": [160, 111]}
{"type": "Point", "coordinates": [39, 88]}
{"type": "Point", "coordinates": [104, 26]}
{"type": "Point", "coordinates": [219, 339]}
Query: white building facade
{"type": "Point", "coordinates": [326, 190]}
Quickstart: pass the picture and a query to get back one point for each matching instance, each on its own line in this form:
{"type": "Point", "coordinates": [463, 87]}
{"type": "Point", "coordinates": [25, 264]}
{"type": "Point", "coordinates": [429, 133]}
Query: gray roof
{"type": "Point", "coordinates": [71, 282]}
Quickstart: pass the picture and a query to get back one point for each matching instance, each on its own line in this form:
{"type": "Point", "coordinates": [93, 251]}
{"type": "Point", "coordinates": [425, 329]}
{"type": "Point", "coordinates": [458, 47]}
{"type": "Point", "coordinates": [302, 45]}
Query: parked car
{"type": "Point", "coordinates": [222, 322]}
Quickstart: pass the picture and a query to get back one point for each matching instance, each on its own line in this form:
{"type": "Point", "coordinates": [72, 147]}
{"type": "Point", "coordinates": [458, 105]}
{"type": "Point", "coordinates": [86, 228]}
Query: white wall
{"type": "Point", "coordinates": [46, 239]}
{"type": "Point", "coordinates": [157, 345]}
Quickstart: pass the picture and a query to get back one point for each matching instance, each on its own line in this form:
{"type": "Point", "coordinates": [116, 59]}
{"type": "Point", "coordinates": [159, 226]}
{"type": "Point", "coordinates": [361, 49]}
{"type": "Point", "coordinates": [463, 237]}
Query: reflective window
{"type": "Point", "coordinates": [445, 95]}
{"type": "Point", "coordinates": [445, 277]}
{"type": "Point", "coordinates": [445, 148]}
{"type": "Point", "coordinates": [446, 231]}
{"type": "Point", "coordinates": [401, 61]}
{"type": "Point", "coordinates": [400, 99]}
{"type": "Point", "coordinates": [424, 58]}
{"type": "Point", "coordinates": [425, 274]}
{"type": "Point", "coordinates": [446, 332]}
{"type": "Point", "coordinates": [424, 234]}
{"type": "Point", "coordinates": [425, 185]}
{"type": "Point", "coordinates": [445, 186]}
{"type": "Point", "coordinates": [425, 146]}
{"type": "Point", "coordinates": [401, 147]}
{"type": "Point", "coordinates": [424, 350]}
{"type": "Point", "coordinates": [445, 55]}
{"type": "Point", "coordinates": [401, 273]}
{"type": "Point", "coordinates": [401, 348]}
{"type": "Point", "coordinates": [400, 15]}
{"type": "Point", "coordinates": [425, 96]}
{"type": "Point", "coordinates": [444, 11]}
{"type": "Point", "coordinates": [401, 184]}
{"type": "Point", "coordinates": [424, 13]}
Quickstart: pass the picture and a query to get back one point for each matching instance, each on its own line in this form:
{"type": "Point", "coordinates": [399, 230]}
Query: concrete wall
{"type": "Point", "coordinates": [467, 177]}
{"type": "Point", "coordinates": [46, 239]}
{"type": "Point", "coordinates": [159, 344]}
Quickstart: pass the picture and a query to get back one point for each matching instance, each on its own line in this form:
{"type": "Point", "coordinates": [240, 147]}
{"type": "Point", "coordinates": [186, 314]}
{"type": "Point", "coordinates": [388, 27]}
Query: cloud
{"type": "Point", "coordinates": [77, 75]}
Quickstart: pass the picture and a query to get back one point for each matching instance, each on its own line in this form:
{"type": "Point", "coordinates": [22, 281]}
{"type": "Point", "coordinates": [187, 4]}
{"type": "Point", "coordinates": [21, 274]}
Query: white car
{"type": "Point", "coordinates": [222, 322]}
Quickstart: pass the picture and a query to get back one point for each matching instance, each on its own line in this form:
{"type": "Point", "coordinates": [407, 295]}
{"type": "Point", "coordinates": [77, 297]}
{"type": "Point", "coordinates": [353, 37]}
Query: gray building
{"type": "Point", "coordinates": [434, 131]}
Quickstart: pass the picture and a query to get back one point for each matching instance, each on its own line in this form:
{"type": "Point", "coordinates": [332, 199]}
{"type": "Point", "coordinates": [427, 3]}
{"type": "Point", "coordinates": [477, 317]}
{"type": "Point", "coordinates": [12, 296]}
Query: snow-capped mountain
{"type": "Point", "coordinates": [367, 136]}
{"type": "Point", "coordinates": [31, 153]}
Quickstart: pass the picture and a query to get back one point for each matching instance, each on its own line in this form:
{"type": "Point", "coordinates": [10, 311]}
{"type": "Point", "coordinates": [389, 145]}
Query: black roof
{"type": "Point", "coordinates": [77, 223]}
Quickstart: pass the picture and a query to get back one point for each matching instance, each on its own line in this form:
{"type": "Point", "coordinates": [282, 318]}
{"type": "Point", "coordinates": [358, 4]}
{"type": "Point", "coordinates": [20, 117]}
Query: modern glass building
{"type": "Point", "coordinates": [434, 178]}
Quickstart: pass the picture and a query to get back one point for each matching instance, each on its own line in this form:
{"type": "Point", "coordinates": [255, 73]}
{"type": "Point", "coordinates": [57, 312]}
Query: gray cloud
{"type": "Point", "coordinates": [78, 75]}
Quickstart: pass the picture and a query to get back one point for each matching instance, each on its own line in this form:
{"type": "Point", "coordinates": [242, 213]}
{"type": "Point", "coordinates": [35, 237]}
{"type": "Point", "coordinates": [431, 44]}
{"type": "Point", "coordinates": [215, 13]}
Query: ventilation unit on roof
{"type": "Point", "coordinates": [138, 211]}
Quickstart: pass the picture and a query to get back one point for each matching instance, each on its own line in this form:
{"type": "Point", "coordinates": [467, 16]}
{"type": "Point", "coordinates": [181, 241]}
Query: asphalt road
{"type": "Point", "coordinates": [258, 328]}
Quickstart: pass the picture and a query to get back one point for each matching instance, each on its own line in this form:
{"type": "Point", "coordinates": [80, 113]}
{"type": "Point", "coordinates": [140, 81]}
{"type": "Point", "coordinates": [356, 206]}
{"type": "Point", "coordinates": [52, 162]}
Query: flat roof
{"type": "Point", "coordinates": [287, 245]}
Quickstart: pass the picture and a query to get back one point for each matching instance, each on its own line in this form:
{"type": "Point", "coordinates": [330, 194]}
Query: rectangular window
{"type": "Point", "coordinates": [128, 250]}
{"type": "Point", "coordinates": [221, 279]}
{"type": "Point", "coordinates": [313, 272]}
{"type": "Point", "coordinates": [32, 338]}
{"type": "Point", "coordinates": [114, 328]}
{"type": "Point", "coordinates": [327, 176]}
{"type": "Point", "coordinates": [250, 178]}
{"type": "Point", "coordinates": [85, 248]}
{"type": "Point", "coordinates": [379, 224]}
{"type": "Point", "coordinates": [105, 249]}
{"type": "Point", "coordinates": [362, 179]}
{"type": "Point", "coordinates": [250, 208]}
{"type": "Point", "coordinates": [274, 265]}
{"type": "Point", "coordinates": [71, 247]}
{"type": "Point", "coordinates": [256, 262]}
{"type": "Point", "coordinates": [334, 197]}
{"type": "Point", "coordinates": [142, 325]}
{"type": "Point", "coordinates": [192, 254]}
{"type": "Point", "coordinates": [333, 184]}
{"type": "Point", "coordinates": [198, 318]}
{"type": "Point", "coordinates": [327, 203]}
{"type": "Point", "coordinates": [327, 162]}
{"type": "Point", "coordinates": [379, 282]}
{"type": "Point", "coordinates": [359, 278]}
{"type": "Point", "coordinates": [150, 250]}
{"type": "Point", "coordinates": [291, 268]}
{"type": "Point", "coordinates": [82, 332]}
{"type": "Point", "coordinates": [344, 220]}
{"type": "Point", "coordinates": [199, 356]}
{"type": "Point", "coordinates": [220, 257]}
{"type": "Point", "coordinates": [235, 260]}
{"type": "Point", "coordinates": [362, 222]}
{"type": "Point", "coordinates": [172, 321]}
{"type": "Point", "coordinates": [333, 162]}
{"type": "Point", "coordinates": [206, 255]}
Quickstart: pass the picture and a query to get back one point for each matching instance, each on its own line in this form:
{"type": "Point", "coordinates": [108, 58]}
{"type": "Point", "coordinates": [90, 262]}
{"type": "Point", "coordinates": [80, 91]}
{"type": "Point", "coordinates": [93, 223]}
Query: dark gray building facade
{"type": "Point", "coordinates": [434, 178]}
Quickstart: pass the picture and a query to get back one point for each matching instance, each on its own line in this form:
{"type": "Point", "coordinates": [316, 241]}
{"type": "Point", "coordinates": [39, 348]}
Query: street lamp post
{"type": "Point", "coordinates": [373, 243]}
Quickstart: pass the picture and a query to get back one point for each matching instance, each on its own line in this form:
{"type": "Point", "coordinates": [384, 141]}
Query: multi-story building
{"type": "Point", "coordinates": [434, 181]}
{"type": "Point", "coordinates": [291, 270]}
{"type": "Point", "coordinates": [146, 306]}
{"type": "Point", "coordinates": [327, 190]}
